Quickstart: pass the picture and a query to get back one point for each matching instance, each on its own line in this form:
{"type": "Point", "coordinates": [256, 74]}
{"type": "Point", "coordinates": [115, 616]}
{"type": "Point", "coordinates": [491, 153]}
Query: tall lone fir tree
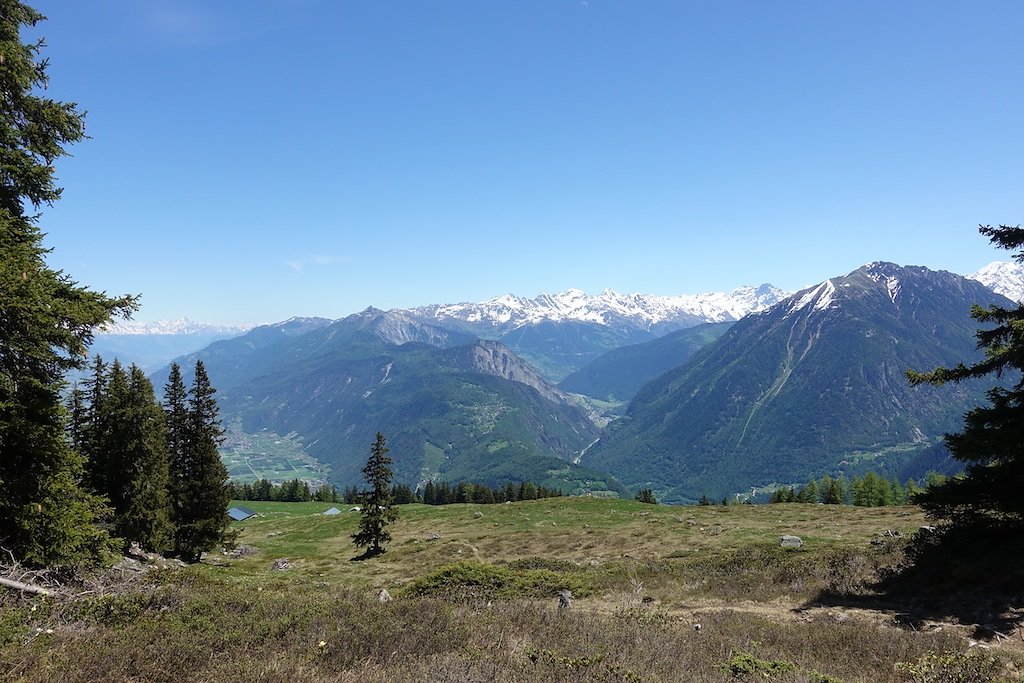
{"type": "Point", "coordinates": [46, 319]}
{"type": "Point", "coordinates": [992, 441]}
{"type": "Point", "coordinates": [377, 511]}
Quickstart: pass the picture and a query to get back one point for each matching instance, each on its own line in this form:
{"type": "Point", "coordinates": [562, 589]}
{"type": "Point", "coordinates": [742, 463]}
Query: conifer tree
{"type": "Point", "coordinates": [108, 447]}
{"type": "Point", "coordinates": [200, 490]}
{"type": "Point", "coordinates": [377, 511]}
{"type": "Point", "coordinates": [144, 511]}
{"type": "Point", "coordinates": [176, 421]}
{"type": "Point", "coordinates": [78, 416]}
{"type": "Point", "coordinates": [646, 496]}
{"type": "Point", "coordinates": [992, 441]}
{"type": "Point", "coordinates": [46, 319]}
{"type": "Point", "coordinates": [94, 426]}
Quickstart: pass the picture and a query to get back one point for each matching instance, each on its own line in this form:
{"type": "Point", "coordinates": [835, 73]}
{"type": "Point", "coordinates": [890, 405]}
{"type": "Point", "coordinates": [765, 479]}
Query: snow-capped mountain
{"type": "Point", "coordinates": [505, 313]}
{"type": "Point", "coordinates": [1003, 277]}
{"type": "Point", "coordinates": [814, 384]}
{"type": "Point", "coordinates": [180, 326]}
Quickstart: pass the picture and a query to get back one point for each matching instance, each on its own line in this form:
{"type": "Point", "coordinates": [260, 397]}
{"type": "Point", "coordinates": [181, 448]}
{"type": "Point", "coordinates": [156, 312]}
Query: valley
{"type": "Point", "coordinates": [689, 396]}
{"type": "Point", "coordinates": [472, 342]}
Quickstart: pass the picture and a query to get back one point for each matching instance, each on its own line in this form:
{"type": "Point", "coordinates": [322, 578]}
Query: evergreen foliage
{"type": "Point", "coordinates": [121, 433]}
{"type": "Point", "coordinates": [992, 441]}
{"type": "Point", "coordinates": [444, 493]}
{"type": "Point", "coordinates": [200, 478]}
{"type": "Point", "coordinates": [176, 422]}
{"type": "Point", "coordinates": [432, 493]}
{"type": "Point", "coordinates": [291, 491]}
{"type": "Point", "coordinates": [870, 490]}
{"type": "Point", "coordinates": [377, 510]}
{"type": "Point", "coordinates": [144, 514]}
{"type": "Point", "coordinates": [46, 320]}
{"type": "Point", "coordinates": [646, 496]}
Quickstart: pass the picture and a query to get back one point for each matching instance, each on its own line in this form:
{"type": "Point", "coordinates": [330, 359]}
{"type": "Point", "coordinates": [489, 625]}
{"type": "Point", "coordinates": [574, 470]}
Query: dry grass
{"type": "Point", "coordinates": [648, 575]}
{"type": "Point", "coordinates": [219, 633]}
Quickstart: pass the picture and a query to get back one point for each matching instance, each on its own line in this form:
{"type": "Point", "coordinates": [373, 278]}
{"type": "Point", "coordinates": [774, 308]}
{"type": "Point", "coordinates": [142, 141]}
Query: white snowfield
{"type": "Point", "coordinates": [179, 326]}
{"type": "Point", "coordinates": [1003, 277]}
{"type": "Point", "coordinates": [608, 307]}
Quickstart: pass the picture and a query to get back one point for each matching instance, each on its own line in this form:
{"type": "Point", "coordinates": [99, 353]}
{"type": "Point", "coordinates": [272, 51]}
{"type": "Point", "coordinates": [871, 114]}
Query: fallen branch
{"type": "Point", "coordinates": [18, 585]}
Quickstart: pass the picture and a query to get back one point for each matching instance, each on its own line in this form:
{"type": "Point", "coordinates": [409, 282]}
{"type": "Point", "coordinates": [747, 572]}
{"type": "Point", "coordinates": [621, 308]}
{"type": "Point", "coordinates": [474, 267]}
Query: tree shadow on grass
{"type": "Point", "coordinates": [368, 554]}
{"type": "Point", "coordinates": [972, 576]}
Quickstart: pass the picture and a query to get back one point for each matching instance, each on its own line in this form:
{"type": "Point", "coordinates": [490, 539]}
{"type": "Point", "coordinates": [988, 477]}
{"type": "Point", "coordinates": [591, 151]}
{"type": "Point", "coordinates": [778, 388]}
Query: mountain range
{"type": "Point", "coordinates": [452, 406]}
{"type": "Point", "coordinates": [812, 385]}
{"type": "Point", "coordinates": [726, 391]}
{"type": "Point", "coordinates": [560, 333]}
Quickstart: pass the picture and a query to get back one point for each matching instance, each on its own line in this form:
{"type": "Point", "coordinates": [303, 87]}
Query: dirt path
{"type": "Point", "coordinates": [784, 611]}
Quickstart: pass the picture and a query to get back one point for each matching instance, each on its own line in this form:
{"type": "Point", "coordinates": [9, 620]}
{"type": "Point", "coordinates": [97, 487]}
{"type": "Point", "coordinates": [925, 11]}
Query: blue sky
{"type": "Point", "coordinates": [251, 161]}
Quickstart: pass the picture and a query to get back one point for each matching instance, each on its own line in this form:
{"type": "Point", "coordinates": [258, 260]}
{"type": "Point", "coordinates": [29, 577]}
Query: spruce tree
{"type": "Point", "coordinates": [377, 511]}
{"type": "Point", "coordinates": [201, 493]}
{"type": "Point", "coordinates": [646, 496]}
{"type": "Point", "coordinates": [143, 514]}
{"type": "Point", "coordinates": [108, 449]}
{"type": "Point", "coordinates": [94, 427]}
{"type": "Point", "coordinates": [176, 430]}
{"type": "Point", "coordinates": [991, 444]}
{"type": "Point", "coordinates": [46, 319]}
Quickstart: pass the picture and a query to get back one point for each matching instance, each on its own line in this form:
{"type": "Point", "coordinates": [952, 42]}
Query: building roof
{"type": "Point", "coordinates": [240, 513]}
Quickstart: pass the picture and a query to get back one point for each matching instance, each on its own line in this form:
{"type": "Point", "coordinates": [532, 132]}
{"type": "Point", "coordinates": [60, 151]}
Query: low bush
{"type": "Point", "coordinates": [476, 580]}
{"type": "Point", "coordinates": [951, 667]}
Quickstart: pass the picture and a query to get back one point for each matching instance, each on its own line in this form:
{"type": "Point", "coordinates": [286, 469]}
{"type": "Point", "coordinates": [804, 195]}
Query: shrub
{"type": "Point", "coordinates": [951, 667]}
{"type": "Point", "coordinates": [743, 663]}
{"type": "Point", "coordinates": [478, 580]}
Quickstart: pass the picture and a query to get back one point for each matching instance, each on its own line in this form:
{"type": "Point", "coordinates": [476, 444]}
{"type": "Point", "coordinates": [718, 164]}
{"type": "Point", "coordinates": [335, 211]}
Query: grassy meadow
{"type": "Point", "coordinates": [661, 593]}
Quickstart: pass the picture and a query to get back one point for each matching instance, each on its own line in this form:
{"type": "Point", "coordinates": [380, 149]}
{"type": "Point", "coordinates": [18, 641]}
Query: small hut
{"type": "Point", "coordinates": [240, 513]}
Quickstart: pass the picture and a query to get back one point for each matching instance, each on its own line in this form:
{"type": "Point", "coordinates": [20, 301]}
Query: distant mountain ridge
{"type": "Point", "coordinates": [644, 311]}
{"type": "Point", "coordinates": [180, 326]}
{"type": "Point", "coordinates": [620, 373]}
{"type": "Point", "coordinates": [452, 406]}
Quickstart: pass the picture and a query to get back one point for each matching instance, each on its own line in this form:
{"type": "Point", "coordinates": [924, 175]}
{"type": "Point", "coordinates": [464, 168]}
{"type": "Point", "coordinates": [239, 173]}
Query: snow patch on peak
{"type": "Point", "coordinates": [1003, 277]}
{"type": "Point", "coordinates": [880, 270]}
{"type": "Point", "coordinates": [819, 298]}
{"type": "Point", "coordinates": [892, 284]}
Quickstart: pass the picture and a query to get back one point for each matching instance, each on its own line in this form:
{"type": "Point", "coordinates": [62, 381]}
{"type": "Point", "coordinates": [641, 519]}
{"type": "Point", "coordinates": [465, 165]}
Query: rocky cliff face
{"type": "Point", "coordinates": [494, 358]}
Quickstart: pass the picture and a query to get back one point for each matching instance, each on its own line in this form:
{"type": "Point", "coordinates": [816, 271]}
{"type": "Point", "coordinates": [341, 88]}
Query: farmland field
{"type": "Point", "coordinates": [266, 455]}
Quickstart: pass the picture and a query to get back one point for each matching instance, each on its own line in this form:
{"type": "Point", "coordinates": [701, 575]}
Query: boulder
{"type": "Point", "coordinates": [790, 541]}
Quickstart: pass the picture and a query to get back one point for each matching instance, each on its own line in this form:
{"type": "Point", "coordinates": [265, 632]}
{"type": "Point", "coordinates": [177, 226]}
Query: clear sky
{"type": "Point", "coordinates": [254, 160]}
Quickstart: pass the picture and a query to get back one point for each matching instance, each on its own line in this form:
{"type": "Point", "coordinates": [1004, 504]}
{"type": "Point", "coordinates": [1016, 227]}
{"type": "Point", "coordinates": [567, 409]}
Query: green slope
{"type": "Point", "coordinates": [618, 374]}
{"type": "Point", "coordinates": [450, 409]}
{"type": "Point", "coordinates": [800, 391]}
